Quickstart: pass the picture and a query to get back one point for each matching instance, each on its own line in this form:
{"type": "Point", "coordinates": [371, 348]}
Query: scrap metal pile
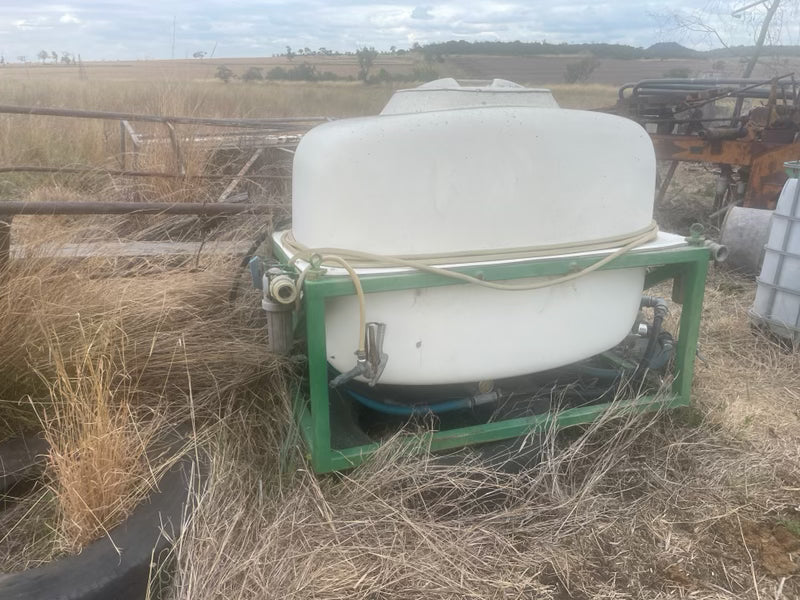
{"type": "Point", "coordinates": [747, 128]}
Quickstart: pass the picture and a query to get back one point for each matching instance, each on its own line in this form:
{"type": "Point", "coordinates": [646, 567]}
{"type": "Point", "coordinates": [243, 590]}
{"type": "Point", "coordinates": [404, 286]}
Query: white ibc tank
{"type": "Point", "coordinates": [777, 302]}
{"type": "Point", "coordinates": [488, 177]}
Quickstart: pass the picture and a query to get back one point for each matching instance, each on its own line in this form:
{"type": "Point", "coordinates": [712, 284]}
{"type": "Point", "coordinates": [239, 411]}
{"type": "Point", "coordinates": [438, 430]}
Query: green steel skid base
{"type": "Point", "coordinates": [686, 266]}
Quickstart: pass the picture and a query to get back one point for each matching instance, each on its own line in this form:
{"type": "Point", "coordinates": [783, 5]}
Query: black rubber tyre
{"type": "Point", "coordinates": [21, 459]}
{"type": "Point", "coordinates": [120, 570]}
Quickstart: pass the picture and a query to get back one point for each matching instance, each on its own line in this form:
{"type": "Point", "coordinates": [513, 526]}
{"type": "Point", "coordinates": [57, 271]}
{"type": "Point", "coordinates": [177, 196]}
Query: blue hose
{"type": "Point", "coordinates": [600, 372]}
{"type": "Point", "coordinates": [418, 409]}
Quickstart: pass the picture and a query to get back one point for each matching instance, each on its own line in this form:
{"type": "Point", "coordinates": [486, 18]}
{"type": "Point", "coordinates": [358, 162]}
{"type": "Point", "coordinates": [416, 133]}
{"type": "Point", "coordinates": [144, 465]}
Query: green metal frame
{"type": "Point", "coordinates": [686, 266]}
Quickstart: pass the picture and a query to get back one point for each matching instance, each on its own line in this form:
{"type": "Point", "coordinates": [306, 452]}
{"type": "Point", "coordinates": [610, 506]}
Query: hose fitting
{"type": "Point", "coordinates": [659, 305]}
{"type": "Point", "coordinates": [660, 310]}
{"type": "Point", "coordinates": [719, 253]}
{"type": "Point", "coordinates": [282, 287]}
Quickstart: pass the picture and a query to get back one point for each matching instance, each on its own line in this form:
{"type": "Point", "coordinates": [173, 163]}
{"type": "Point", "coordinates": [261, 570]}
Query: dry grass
{"type": "Point", "coordinates": [69, 142]}
{"type": "Point", "coordinates": [750, 384]}
{"type": "Point", "coordinates": [643, 508]}
{"type": "Point", "coordinates": [173, 324]}
{"type": "Point", "coordinates": [98, 444]}
{"type": "Point", "coordinates": [106, 358]}
{"type": "Point", "coordinates": [701, 503]}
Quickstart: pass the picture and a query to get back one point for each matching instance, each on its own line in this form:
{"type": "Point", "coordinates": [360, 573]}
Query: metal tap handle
{"type": "Point", "coordinates": [370, 363]}
{"type": "Point", "coordinates": [376, 357]}
{"type": "Point", "coordinates": [378, 369]}
{"type": "Point", "coordinates": [374, 342]}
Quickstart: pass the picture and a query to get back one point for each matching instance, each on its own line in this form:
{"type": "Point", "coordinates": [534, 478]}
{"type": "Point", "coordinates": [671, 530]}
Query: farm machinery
{"type": "Point", "coordinates": [747, 128]}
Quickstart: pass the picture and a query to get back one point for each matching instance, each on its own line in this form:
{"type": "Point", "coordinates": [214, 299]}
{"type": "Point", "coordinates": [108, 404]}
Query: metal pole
{"type": "Point", "coordinates": [748, 70]}
{"type": "Point", "coordinates": [662, 190]}
{"type": "Point", "coordinates": [11, 208]}
{"type": "Point", "coordinates": [5, 242]}
{"type": "Point", "coordinates": [122, 148]}
{"type": "Point", "coordinates": [116, 116]}
{"type": "Point", "coordinates": [126, 173]}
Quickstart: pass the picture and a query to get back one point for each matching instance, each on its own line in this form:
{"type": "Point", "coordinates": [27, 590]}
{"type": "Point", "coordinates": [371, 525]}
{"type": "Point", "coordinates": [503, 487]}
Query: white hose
{"type": "Point", "coordinates": [426, 262]}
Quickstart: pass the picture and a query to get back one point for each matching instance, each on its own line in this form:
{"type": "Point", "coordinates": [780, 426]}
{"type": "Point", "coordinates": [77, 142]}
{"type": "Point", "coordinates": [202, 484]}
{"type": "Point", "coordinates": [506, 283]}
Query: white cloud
{"type": "Point", "coordinates": [116, 30]}
{"type": "Point", "coordinates": [421, 12]}
{"type": "Point", "coordinates": [37, 23]}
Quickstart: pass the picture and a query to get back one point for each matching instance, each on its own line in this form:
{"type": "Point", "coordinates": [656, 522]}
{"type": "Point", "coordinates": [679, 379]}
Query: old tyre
{"type": "Point", "coordinates": [117, 566]}
{"type": "Point", "coordinates": [21, 459]}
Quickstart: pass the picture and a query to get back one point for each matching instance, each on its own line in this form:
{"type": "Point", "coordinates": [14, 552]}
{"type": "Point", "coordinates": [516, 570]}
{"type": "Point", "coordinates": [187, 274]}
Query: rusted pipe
{"type": "Point", "coordinates": [126, 173]}
{"type": "Point", "coordinates": [722, 133]}
{"type": "Point", "coordinates": [12, 208]}
{"type": "Point", "coordinates": [5, 242]}
{"type": "Point", "coordinates": [116, 116]}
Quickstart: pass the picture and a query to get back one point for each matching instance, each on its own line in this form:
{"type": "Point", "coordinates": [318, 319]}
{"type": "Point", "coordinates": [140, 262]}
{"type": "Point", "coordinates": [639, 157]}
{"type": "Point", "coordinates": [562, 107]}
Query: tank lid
{"type": "Point", "coordinates": [447, 93]}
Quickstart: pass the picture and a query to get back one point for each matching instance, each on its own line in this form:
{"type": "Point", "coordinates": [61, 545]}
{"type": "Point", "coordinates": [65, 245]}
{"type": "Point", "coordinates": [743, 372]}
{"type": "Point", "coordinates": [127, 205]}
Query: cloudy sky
{"type": "Point", "coordinates": [103, 30]}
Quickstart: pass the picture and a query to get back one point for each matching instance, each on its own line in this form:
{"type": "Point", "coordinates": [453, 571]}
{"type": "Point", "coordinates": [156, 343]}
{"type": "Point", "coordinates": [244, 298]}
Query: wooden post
{"type": "Point", "coordinates": [176, 147]}
{"type": "Point", "coordinates": [232, 185]}
{"type": "Point", "coordinates": [122, 149]}
{"type": "Point", "coordinates": [136, 142]}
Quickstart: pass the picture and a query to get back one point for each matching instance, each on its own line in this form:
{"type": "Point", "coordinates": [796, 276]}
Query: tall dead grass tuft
{"type": "Point", "coordinates": [105, 356]}
{"type": "Point", "coordinates": [99, 442]}
{"type": "Point", "coordinates": [53, 141]}
{"type": "Point", "coordinates": [171, 320]}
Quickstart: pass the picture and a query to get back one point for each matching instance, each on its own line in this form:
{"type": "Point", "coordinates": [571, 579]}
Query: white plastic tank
{"type": "Point", "coordinates": [495, 175]}
{"type": "Point", "coordinates": [777, 302]}
{"type": "Point", "coordinates": [443, 94]}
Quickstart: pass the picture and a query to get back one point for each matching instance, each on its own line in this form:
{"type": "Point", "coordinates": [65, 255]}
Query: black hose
{"type": "Point", "coordinates": [660, 309]}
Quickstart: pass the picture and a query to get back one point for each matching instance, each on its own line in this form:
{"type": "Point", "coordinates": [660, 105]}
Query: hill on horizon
{"type": "Point", "coordinates": [665, 50]}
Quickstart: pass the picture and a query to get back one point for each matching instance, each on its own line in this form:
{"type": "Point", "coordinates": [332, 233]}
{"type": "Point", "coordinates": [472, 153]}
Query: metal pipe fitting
{"type": "Point", "coordinates": [371, 362]}
{"type": "Point", "coordinates": [659, 305]}
{"type": "Point", "coordinates": [719, 253]}
{"type": "Point", "coordinates": [282, 288]}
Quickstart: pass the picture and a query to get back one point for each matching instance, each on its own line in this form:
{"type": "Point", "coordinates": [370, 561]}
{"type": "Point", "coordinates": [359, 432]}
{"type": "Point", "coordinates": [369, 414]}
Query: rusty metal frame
{"type": "Point", "coordinates": [10, 209]}
{"type": "Point", "coordinates": [765, 161]}
{"type": "Point", "coordinates": [270, 126]}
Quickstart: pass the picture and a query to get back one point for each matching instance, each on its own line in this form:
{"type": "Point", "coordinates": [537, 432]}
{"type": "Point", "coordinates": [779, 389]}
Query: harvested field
{"type": "Point", "coordinates": [698, 503]}
{"type": "Point", "coordinates": [548, 69]}
{"type": "Point", "coordinates": [536, 70]}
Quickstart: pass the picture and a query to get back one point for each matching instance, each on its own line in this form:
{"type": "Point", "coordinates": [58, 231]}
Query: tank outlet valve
{"type": "Point", "coordinates": [719, 253]}
{"type": "Point", "coordinates": [370, 362]}
{"type": "Point", "coordinates": [280, 286]}
{"type": "Point", "coordinates": [642, 329]}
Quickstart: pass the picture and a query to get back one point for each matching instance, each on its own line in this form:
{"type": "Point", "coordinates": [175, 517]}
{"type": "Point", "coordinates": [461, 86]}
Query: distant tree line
{"type": "Point", "coordinates": [67, 58]}
{"type": "Point", "coordinates": [308, 72]}
{"type": "Point", "coordinates": [618, 51]}
{"type": "Point", "coordinates": [293, 53]}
